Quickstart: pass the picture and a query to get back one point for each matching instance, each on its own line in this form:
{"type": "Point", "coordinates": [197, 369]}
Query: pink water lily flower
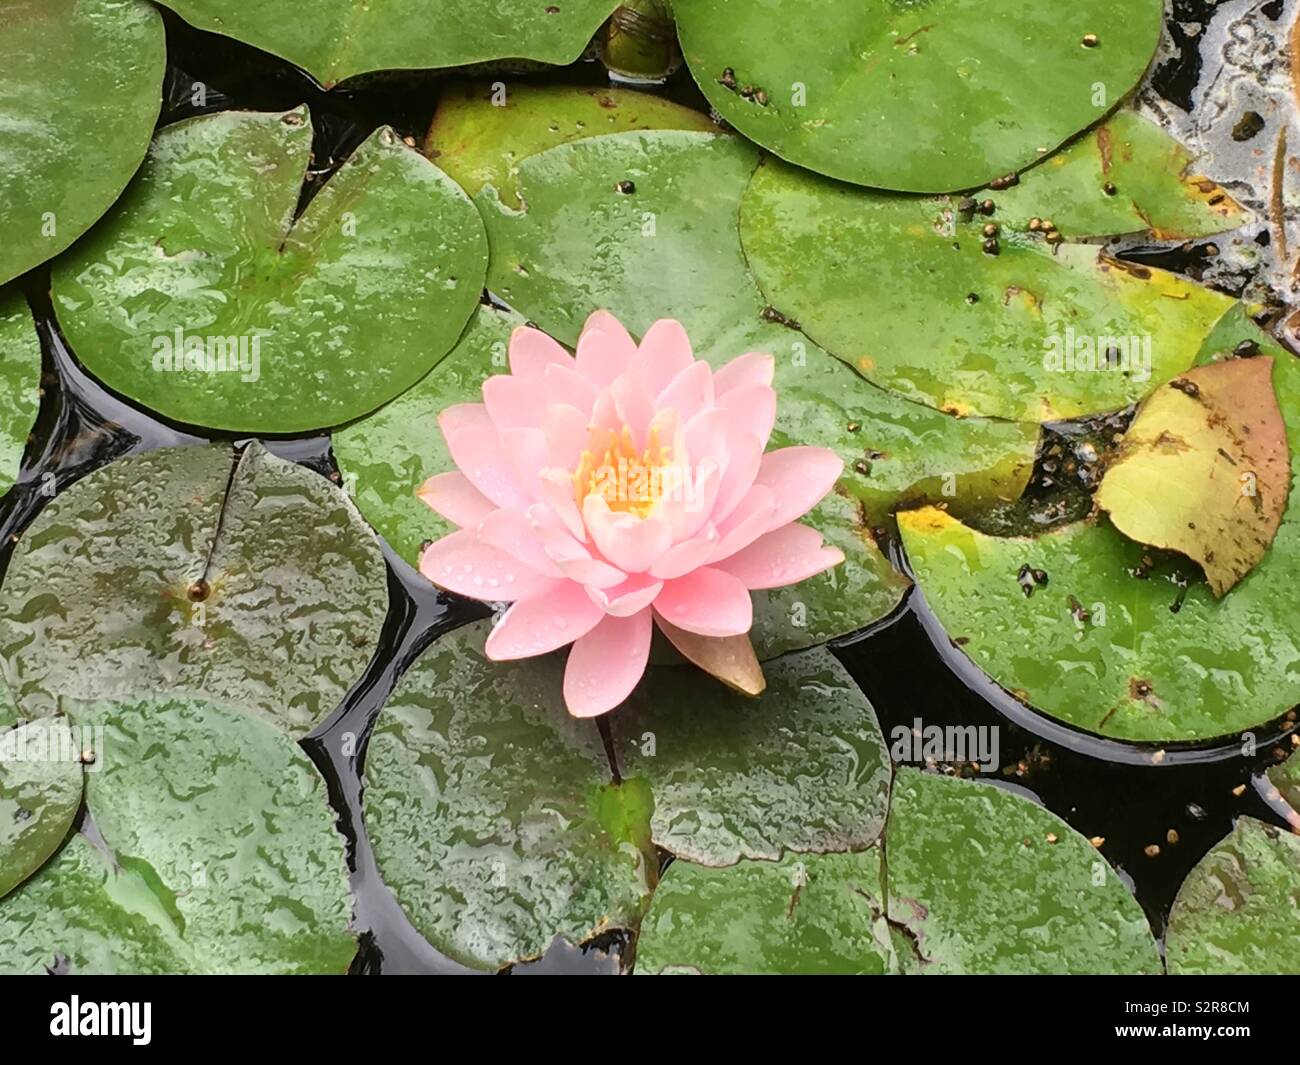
{"type": "Point", "coordinates": [598, 492]}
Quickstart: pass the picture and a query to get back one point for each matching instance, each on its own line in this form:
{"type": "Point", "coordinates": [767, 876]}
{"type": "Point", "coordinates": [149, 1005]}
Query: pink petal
{"type": "Point", "coordinates": [754, 368]}
{"type": "Point", "coordinates": [452, 496]}
{"type": "Point", "coordinates": [564, 384]}
{"type": "Point", "coordinates": [555, 489]}
{"type": "Point", "coordinates": [632, 596]}
{"type": "Point", "coordinates": [750, 520]}
{"type": "Point", "coordinates": [744, 459]}
{"type": "Point", "coordinates": [531, 351]}
{"type": "Point", "coordinates": [705, 436]}
{"type": "Point", "coordinates": [635, 408]}
{"type": "Point", "coordinates": [512, 401]}
{"type": "Point", "coordinates": [751, 408]}
{"type": "Point", "coordinates": [566, 435]}
{"type": "Point", "coordinates": [708, 602]}
{"type": "Point", "coordinates": [688, 555]}
{"type": "Point", "coordinates": [460, 564]}
{"type": "Point", "coordinates": [514, 534]}
{"type": "Point", "coordinates": [692, 500]}
{"type": "Point", "coordinates": [799, 478]}
{"type": "Point", "coordinates": [630, 543]}
{"type": "Point", "coordinates": [787, 555]}
{"type": "Point", "coordinates": [605, 349]}
{"type": "Point", "coordinates": [664, 352]}
{"type": "Point", "coordinates": [573, 558]}
{"type": "Point", "coordinates": [541, 624]}
{"type": "Point", "coordinates": [462, 416]}
{"type": "Point", "coordinates": [605, 665]}
{"type": "Point", "coordinates": [530, 453]}
{"type": "Point", "coordinates": [478, 452]}
{"type": "Point", "coordinates": [690, 392]}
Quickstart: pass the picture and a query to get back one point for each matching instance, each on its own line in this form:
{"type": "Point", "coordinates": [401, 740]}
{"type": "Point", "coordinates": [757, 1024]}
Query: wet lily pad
{"type": "Point", "coordinates": [40, 792]}
{"type": "Point", "coordinates": [1204, 469]}
{"type": "Point", "coordinates": [1238, 911]}
{"type": "Point", "coordinates": [491, 812]}
{"type": "Point", "coordinates": [733, 777]}
{"type": "Point", "coordinates": [1108, 643]}
{"type": "Point", "coordinates": [903, 290]}
{"type": "Point", "coordinates": [915, 97]}
{"type": "Point", "coordinates": [79, 79]}
{"type": "Point", "coordinates": [20, 379]}
{"type": "Point", "coordinates": [1122, 640]}
{"type": "Point", "coordinates": [203, 299]}
{"type": "Point", "coordinates": [224, 856]}
{"type": "Point", "coordinates": [334, 40]}
{"type": "Point", "coordinates": [806, 914]}
{"type": "Point", "coordinates": [983, 881]}
{"type": "Point", "coordinates": [103, 598]}
{"type": "Point", "coordinates": [480, 132]}
{"type": "Point", "coordinates": [1125, 176]}
{"type": "Point", "coordinates": [83, 913]}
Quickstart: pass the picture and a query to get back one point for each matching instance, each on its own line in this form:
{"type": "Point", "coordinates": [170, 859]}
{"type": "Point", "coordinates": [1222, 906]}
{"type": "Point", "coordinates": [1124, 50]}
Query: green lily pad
{"type": "Point", "coordinates": [40, 792]}
{"type": "Point", "coordinates": [806, 914]}
{"type": "Point", "coordinates": [84, 913]}
{"type": "Point", "coordinates": [97, 601]}
{"type": "Point", "coordinates": [224, 856]}
{"type": "Point", "coordinates": [79, 80]}
{"type": "Point", "coordinates": [334, 40]}
{"type": "Point", "coordinates": [1204, 469]}
{"type": "Point", "coordinates": [1157, 657]}
{"type": "Point", "coordinates": [1153, 660]}
{"type": "Point", "coordinates": [20, 382]}
{"type": "Point", "coordinates": [203, 299]}
{"type": "Point", "coordinates": [1125, 176]}
{"type": "Point", "coordinates": [1238, 911]}
{"type": "Point", "coordinates": [491, 812]}
{"type": "Point", "coordinates": [983, 881]}
{"type": "Point", "coordinates": [1286, 778]}
{"type": "Point", "coordinates": [228, 821]}
{"type": "Point", "coordinates": [480, 133]}
{"type": "Point", "coordinates": [915, 97]}
{"type": "Point", "coordinates": [902, 289]}
{"type": "Point", "coordinates": [730, 774]}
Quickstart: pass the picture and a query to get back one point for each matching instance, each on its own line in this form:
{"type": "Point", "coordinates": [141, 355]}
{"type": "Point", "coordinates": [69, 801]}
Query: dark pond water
{"type": "Point", "coordinates": [906, 665]}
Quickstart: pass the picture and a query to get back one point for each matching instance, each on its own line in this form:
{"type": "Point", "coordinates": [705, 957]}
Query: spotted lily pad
{"type": "Point", "coordinates": [249, 579]}
{"type": "Point", "coordinates": [205, 300]}
{"type": "Point", "coordinates": [1122, 640]}
{"type": "Point", "coordinates": [480, 132]}
{"type": "Point", "coordinates": [1204, 469]}
{"type": "Point", "coordinates": [224, 855]}
{"type": "Point", "coordinates": [334, 40]}
{"type": "Point", "coordinates": [1238, 911]}
{"type": "Point", "coordinates": [915, 97]}
{"type": "Point", "coordinates": [80, 91]}
{"type": "Point", "coordinates": [40, 792]}
{"type": "Point", "coordinates": [805, 914]}
{"type": "Point", "coordinates": [1125, 176]}
{"type": "Point", "coordinates": [904, 290]}
{"type": "Point", "coordinates": [982, 881]}
{"type": "Point", "coordinates": [20, 378]}
{"type": "Point", "coordinates": [491, 811]}
{"type": "Point", "coordinates": [731, 775]}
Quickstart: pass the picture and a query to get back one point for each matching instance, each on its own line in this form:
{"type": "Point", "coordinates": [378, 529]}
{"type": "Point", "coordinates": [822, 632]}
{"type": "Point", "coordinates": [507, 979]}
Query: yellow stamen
{"type": "Point", "coordinates": [611, 468]}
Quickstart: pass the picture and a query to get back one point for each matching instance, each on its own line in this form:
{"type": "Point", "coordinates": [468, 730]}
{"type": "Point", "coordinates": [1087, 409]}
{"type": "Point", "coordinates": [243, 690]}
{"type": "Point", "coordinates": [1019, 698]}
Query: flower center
{"type": "Point", "coordinates": [628, 481]}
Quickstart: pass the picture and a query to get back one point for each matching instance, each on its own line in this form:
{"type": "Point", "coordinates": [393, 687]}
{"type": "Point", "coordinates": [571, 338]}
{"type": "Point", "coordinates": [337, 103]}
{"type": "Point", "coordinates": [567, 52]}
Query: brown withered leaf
{"type": "Point", "coordinates": [730, 659]}
{"type": "Point", "coordinates": [1205, 469]}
